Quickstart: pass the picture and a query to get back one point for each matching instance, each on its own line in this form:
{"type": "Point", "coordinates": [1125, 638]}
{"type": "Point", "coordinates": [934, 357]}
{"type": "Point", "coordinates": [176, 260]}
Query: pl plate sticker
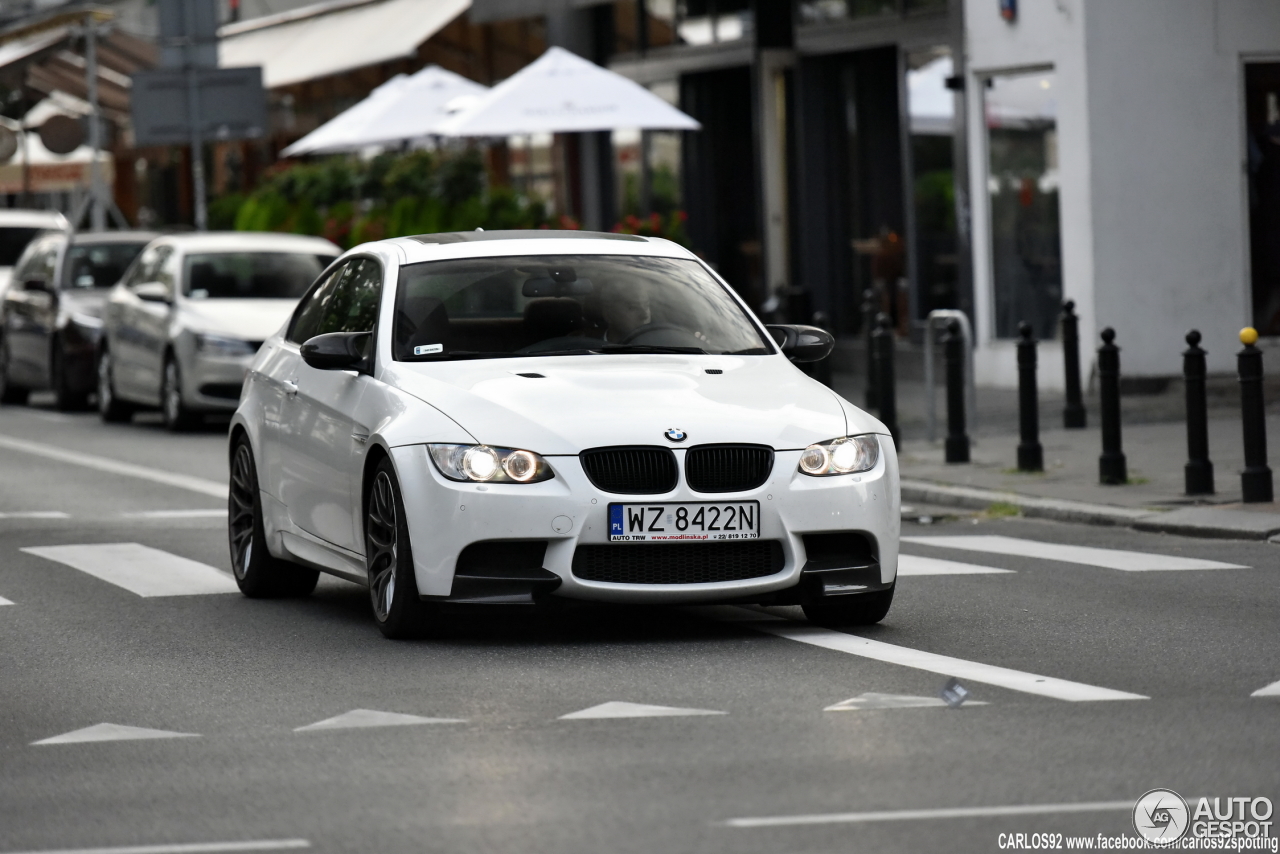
{"type": "Point", "coordinates": [428, 349]}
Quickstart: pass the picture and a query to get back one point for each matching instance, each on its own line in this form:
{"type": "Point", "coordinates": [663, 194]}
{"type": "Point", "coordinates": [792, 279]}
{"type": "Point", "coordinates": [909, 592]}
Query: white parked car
{"type": "Point", "coordinates": [507, 416]}
{"type": "Point", "coordinates": [18, 227]}
{"type": "Point", "coordinates": [181, 327]}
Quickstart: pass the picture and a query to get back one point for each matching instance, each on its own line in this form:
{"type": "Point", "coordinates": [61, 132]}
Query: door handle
{"type": "Point", "coordinates": [290, 387]}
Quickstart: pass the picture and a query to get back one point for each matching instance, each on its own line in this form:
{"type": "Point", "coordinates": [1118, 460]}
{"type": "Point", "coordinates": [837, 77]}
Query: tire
{"type": "Point", "coordinates": [258, 574]}
{"type": "Point", "coordinates": [858, 609]}
{"type": "Point", "coordinates": [9, 393]}
{"type": "Point", "coordinates": [393, 591]}
{"type": "Point", "coordinates": [65, 399]}
{"type": "Point", "coordinates": [177, 417]}
{"type": "Point", "coordinates": [111, 408]}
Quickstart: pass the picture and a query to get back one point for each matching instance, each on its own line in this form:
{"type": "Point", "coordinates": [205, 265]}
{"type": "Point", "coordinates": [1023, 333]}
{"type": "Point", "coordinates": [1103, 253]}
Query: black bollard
{"type": "Point", "coordinates": [1112, 468]}
{"type": "Point", "coordinates": [953, 349]}
{"type": "Point", "coordinates": [884, 364]}
{"type": "Point", "coordinates": [869, 324]}
{"type": "Point", "coordinates": [1255, 480]}
{"type": "Point", "coordinates": [1030, 454]}
{"type": "Point", "coordinates": [1073, 415]}
{"type": "Point", "coordinates": [1198, 470]}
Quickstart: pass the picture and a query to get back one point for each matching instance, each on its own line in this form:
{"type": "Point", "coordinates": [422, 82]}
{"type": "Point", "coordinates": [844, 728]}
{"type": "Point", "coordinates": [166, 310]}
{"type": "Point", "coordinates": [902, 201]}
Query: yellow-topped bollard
{"type": "Point", "coordinates": [1248, 336]}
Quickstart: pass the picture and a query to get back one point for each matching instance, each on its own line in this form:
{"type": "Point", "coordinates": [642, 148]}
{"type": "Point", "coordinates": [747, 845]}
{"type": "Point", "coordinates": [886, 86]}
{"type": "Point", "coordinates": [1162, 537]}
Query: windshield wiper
{"type": "Point", "coordinates": [649, 348]}
{"type": "Point", "coordinates": [750, 351]}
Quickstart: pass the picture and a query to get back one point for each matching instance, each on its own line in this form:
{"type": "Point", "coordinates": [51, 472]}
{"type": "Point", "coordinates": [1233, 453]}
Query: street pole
{"type": "Point", "coordinates": [1112, 467]}
{"type": "Point", "coordinates": [193, 118]}
{"type": "Point", "coordinates": [98, 191]}
{"type": "Point", "coordinates": [1198, 471]}
{"type": "Point", "coordinates": [1073, 415]}
{"type": "Point", "coordinates": [953, 344]}
{"type": "Point", "coordinates": [1255, 480]}
{"type": "Point", "coordinates": [1030, 452]}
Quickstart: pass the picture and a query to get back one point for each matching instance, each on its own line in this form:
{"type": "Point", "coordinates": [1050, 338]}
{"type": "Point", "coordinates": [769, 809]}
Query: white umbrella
{"type": "Point", "coordinates": [417, 108]}
{"type": "Point", "coordinates": [337, 133]}
{"type": "Point", "coordinates": [564, 93]}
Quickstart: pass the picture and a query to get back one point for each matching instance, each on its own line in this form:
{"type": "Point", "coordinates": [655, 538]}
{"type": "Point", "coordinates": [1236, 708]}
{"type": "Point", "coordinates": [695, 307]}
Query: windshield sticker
{"type": "Point", "coordinates": [427, 349]}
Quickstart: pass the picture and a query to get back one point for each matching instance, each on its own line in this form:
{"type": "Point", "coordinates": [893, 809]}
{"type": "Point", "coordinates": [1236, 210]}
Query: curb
{"type": "Point", "coordinates": [1251, 526]}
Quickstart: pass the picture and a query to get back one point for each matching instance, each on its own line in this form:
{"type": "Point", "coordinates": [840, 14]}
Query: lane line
{"type": "Point", "coordinates": [176, 514]}
{"type": "Point", "coordinates": [915, 565]}
{"type": "Point", "coordinates": [1125, 561]}
{"type": "Point", "coordinates": [112, 732]}
{"type": "Point", "coordinates": [1272, 690]}
{"type": "Point", "coordinates": [106, 464]}
{"type": "Point", "coordinates": [4, 601]}
{"type": "Point", "coordinates": [184, 847]}
{"type": "Point", "coordinates": [35, 514]}
{"type": "Point", "coordinates": [619, 709]}
{"type": "Point", "coordinates": [945, 665]}
{"type": "Point", "coordinates": [925, 815]}
{"type": "Point", "coordinates": [362, 718]}
{"type": "Point", "coordinates": [140, 569]}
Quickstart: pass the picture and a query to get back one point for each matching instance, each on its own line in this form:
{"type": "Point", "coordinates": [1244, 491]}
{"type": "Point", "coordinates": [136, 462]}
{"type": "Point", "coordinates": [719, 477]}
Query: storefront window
{"type": "Point", "coordinates": [931, 106]}
{"type": "Point", "coordinates": [711, 21]}
{"type": "Point", "coordinates": [647, 166]}
{"type": "Point", "coordinates": [1022, 190]}
{"type": "Point", "coordinates": [817, 11]}
{"type": "Point", "coordinates": [1262, 156]}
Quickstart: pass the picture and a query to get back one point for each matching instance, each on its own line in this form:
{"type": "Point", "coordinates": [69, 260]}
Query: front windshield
{"type": "Point", "coordinates": [98, 266]}
{"type": "Point", "coordinates": [12, 241]}
{"type": "Point", "coordinates": [251, 275]}
{"type": "Point", "coordinates": [566, 304]}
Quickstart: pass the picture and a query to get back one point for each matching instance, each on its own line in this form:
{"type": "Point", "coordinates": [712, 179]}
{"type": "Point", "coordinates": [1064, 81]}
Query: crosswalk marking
{"type": "Point", "coordinates": [1272, 690]}
{"type": "Point", "coordinates": [35, 514]}
{"type": "Point", "coordinates": [112, 732]}
{"type": "Point", "coordinates": [176, 514]}
{"type": "Point", "coordinates": [1126, 561]}
{"type": "Point", "coordinates": [361, 718]}
{"type": "Point", "coordinates": [1002, 677]}
{"type": "Point", "coordinates": [915, 565]}
{"type": "Point", "coordinates": [616, 709]}
{"type": "Point", "coordinates": [140, 569]}
{"type": "Point", "coordinates": [4, 601]}
{"type": "Point", "coordinates": [864, 702]}
{"type": "Point", "coordinates": [918, 815]}
{"type": "Point", "coordinates": [106, 464]}
{"type": "Point", "coordinates": [187, 847]}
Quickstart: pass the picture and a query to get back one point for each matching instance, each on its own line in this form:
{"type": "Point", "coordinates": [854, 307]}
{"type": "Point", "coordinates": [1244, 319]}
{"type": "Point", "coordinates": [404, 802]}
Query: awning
{"type": "Point", "coordinates": [563, 93]}
{"type": "Point", "coordinates": [329, 38]}
{"type": "Point", "coordinates": [53, 173]}
{"type": "Point", "coordinates": [16, 51]}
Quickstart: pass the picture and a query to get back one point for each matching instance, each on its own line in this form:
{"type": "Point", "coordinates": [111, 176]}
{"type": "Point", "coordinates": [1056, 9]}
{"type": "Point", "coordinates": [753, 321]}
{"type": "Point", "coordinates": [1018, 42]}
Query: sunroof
{"type": "Point", "coordinates": [525, 234]}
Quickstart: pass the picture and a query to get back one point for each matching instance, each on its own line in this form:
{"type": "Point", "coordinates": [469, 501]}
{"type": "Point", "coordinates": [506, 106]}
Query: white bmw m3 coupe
{"type": "Point", "coordinates": [503, 417]}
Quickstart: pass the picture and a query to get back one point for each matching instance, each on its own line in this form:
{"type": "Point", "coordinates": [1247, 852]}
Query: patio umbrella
{"type": "Point", "coordinates": [564, 93]}
{"type": "Point", "coordinates": [403, 108]}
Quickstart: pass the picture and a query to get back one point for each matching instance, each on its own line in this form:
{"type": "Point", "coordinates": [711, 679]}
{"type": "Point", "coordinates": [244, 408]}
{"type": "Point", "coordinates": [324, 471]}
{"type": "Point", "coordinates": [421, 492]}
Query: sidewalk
{"type": "Point", "coordinates": [1154, 440]}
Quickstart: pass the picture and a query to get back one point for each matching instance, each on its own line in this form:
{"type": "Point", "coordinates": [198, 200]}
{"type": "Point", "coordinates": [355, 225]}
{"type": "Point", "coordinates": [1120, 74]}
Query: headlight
{"type": "Point", "coordinates": [483, 464]}
{"type": "Point", "coordinates": [840, 456]}
{"type": "Point", "coordinates": [216, 345]}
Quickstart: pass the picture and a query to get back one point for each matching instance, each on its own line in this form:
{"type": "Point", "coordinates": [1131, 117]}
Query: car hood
{"type": "Point", "coordinates": [588, 401]}
{"type": "Point", "coordinates": [87, 301]}
{"type": "Point", "coordinates": [246, 319]}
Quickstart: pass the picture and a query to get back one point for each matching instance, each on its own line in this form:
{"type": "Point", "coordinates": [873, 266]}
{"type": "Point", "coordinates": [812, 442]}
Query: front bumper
{"type": "Point", "coordinates": [444, 517]}
{"type": "Point", "coordinates": [213, 383]}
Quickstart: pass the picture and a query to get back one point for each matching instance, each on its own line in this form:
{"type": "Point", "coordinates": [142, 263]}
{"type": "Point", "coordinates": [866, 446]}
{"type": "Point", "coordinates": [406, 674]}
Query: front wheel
{"type": "Point", "coordinates": [66, 399]}
{"type": "Point", "coordinates": [9, 393]}
{"type": "Point", "coordinates": [856, 609]}
{"type": "Point", "coordinates": [393, 591]}
{"type": "Point", "coordinates": [111, 408]}
{"type": "Point", "coordinates": [258, 573]}
{"type": "Point", "coordinates": [177, 416]}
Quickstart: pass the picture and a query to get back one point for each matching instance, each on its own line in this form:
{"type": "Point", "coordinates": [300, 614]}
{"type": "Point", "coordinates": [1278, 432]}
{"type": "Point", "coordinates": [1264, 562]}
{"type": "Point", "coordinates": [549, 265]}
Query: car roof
{"type": "Point", "coordinates": [477, 244]}
{"type": "Point", "coordinates": [23, 218]}
{"type": "Point", "coordinates": [249, 241]}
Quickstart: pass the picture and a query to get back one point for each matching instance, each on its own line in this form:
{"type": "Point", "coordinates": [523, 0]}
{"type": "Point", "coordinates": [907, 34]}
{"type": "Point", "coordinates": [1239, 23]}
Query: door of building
{"type": "Point", "coordinates": [1262, 156]}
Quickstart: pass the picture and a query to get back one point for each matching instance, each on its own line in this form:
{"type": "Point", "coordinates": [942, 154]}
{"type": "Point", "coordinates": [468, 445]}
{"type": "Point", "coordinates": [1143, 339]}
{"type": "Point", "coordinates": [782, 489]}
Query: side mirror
{"type": "Point", "coordinates": [802, 343]}
{"type": "Point", "coordinates": [36, 285]}
{"type": "Point", "coordinates": [338, 351]}
{"type": "Point", "coordinates": [152, 292]}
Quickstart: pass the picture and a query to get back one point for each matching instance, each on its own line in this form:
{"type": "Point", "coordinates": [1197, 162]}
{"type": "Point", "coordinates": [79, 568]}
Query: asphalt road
{"type": "Point", "coordinates": [1089, 686]}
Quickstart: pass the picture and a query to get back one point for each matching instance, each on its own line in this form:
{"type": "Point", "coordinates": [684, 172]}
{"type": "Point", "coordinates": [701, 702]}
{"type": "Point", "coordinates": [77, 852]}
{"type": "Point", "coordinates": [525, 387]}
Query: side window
{"type": "Point", "coordinates": [166, 268]}
{"type": "Point", "coordinates": [144, 269]}
{"type": "Point", "coordinates": [308, 316]}
{"type": "Point", "coordinates": [37, 262]}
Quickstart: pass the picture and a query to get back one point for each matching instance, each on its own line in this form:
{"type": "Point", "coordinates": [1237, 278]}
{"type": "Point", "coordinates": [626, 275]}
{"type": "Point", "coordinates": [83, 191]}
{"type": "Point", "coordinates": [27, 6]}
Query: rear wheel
{"type": "Point", "coordinates": [65, 398]}
{"type": "Point", "coordinates": [858, 609]}
{"type": "Point", "coordinates": [9, 393]}
{"type": "Point", "coordinates": [110, 407]}
{"type": "Point", "coordinates": [257, 572]}
{"type": "Point", "coordinates": [177, 416]}
{"type": "Point", "coordinates": [393, 591]}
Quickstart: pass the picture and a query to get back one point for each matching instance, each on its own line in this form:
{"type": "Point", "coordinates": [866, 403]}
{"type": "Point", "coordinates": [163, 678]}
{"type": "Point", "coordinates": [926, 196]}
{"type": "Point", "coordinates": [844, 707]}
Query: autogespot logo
{"type": "Point", "coordinates": [675, 434]}
{"type": "Point", "coordinates": [1160, 816]}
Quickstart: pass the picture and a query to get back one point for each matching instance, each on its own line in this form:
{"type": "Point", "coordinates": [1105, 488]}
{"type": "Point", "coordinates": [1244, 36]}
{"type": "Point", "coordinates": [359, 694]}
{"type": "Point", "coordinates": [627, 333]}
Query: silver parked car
{"type": "Point", "coordinates": [184, 323]}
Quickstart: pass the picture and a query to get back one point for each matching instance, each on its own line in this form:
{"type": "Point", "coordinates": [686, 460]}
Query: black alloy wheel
{"type": "Point", "coordinates": [111, 408]}
{"type": "Point", "coordinates": [855, 609]}
{"type": "Point", "coordinates": [65, 399]}
{"type": "Point", "coordinates": [9, 393]}
{"type": "Point", "coordinates": [258, 574]}
{"type": "Point", "coordinates": [393, 591]}
{"type": "Point", "coordinates": [177, 416]}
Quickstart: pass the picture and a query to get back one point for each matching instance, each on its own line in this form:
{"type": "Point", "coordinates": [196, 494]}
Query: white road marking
{"type": "Point", "coordinates": [168, 478]}
{"type": "Point", "coordinates": [914, 565]}
{"type": "Point", "coordinates": [140, 569]}
{"type": "Point", "coordinates": [186, 847]}
{"type": "Point", "coordinates": [988, 674]}
{"type": "Point", "coordinates": [867, 701]}
{"type": "Point", "coordinates": [1272, 690]}
{"type": "Point", "coordinates": [4, 601]}
{"type": "Point", "coordinates": [370, 718]}
{"type": "Point", "coordinates": [1106, 558]}
{"type": "Point", "coordinates": [918, 815]}
{"type": "Point", "coordinates": [35, 514]}
{"type": "Point", "coordinates": [113, 732]}
{"type": "Point", "coordinates": [176, 514]}
{"type": "Point", "coordinates": [616, 709]}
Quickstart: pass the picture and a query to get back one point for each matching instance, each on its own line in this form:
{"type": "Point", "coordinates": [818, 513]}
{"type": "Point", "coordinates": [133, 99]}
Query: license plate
{"type": "Point", "coordinates": [684, 522]}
